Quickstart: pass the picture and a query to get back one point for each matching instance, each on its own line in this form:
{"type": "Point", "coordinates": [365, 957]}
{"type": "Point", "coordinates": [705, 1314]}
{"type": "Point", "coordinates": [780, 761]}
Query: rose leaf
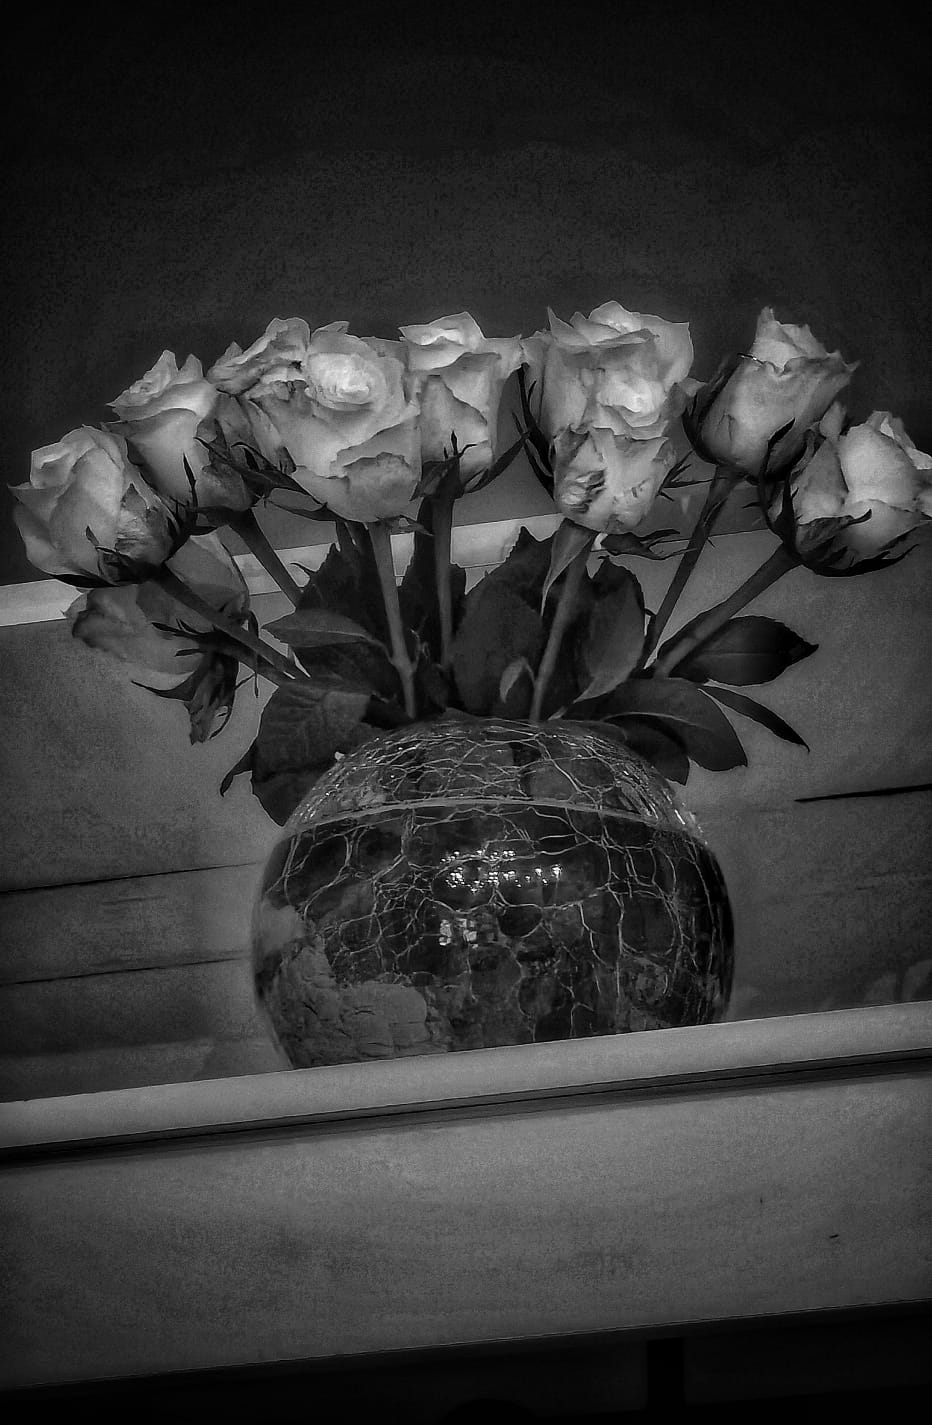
{"type": "Point", "coordinates": [498, 627]}
{"type": "Point", "coordinates": [657, 744]}
{"type": "Point", "coordinates": [749, 707]}
{"type": "Point", "coordinates": [685, 713]}
{"type": "Point", "coordinates": [310, 628]}
{"type": "Point", "coordinates": [614, 637]}
{"type": "Point", "coordinates": [744, 650]}
{"type": "Point", "coordinates": [306, 723]}
{"type": "Point", "coordinates": [570, 539]}
{"type": "Point", "coordinates": [348, 586]}
{"type": "Point", "coordinates": [515, 690]}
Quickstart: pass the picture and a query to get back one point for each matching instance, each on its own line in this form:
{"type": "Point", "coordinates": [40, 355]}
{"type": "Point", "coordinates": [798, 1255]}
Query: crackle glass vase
{"type": "Point", "coordinates": [464, 884]}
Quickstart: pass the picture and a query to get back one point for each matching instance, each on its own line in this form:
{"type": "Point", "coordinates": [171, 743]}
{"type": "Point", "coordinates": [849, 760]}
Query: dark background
{"type": "Point", "coordinates": [178, 176]}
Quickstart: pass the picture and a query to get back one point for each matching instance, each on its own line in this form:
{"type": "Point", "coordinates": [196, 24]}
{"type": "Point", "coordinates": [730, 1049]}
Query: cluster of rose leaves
{"type": "Point", "coordinates": [375, 435]}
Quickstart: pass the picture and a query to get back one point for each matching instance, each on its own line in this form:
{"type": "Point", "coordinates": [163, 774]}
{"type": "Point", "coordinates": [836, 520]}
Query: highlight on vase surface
{"type": "Point", "coordinates": [491, 910]}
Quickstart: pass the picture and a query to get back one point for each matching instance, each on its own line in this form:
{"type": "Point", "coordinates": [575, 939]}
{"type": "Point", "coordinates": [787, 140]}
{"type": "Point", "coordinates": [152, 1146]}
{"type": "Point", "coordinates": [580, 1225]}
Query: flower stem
{"type": "Point", "coordinates": [442, 529]}
{"type": "Point", "coordinates": [287, 671]}
{"type": "Point", "coordinates": [561, 620]}
{"type": "Point", "coordinates": [256, 541]}
{"type": "Point", "coordinates": [382, 550]}
{"type": "Point", "coordinates": [780, 562]}
{"type": "Point", "coordinates": [719, 489]}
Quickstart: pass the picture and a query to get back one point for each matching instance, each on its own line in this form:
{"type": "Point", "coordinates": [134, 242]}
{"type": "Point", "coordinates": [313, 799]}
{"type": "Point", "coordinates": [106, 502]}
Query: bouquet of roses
{"type": "Point", "coordinates": [377, 436]}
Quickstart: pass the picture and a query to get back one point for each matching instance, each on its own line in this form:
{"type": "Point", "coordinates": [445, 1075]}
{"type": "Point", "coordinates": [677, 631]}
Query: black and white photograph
{"type": "Point", "coordinates": [466, 647]}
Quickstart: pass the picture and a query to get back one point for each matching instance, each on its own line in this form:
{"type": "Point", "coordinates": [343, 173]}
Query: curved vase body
{"type": "Point", "coordinates": [464, 884]}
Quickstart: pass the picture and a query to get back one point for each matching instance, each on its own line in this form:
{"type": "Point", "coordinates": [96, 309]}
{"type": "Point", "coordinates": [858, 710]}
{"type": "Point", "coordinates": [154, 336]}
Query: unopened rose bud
{"type": "Point", "coordinates": [869, 482]}
{"type": "Point", "coordinates": [788, 379]}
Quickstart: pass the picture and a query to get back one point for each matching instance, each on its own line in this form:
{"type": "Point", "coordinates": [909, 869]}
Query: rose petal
{"type": "Point", "coordinates": [877, 468]}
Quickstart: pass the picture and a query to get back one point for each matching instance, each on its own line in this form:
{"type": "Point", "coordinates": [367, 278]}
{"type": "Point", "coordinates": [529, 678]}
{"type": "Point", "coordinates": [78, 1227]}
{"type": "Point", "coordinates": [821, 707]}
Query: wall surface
{"type": "Point", "coordinates": [178, 181]}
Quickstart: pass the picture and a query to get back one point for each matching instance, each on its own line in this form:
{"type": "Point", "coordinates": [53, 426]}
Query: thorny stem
{"type": "Point", "coordinates": [561, 619]}
{"type": "Point", "coordinates": [382, 549]}
{"type": "Point", "coordinates": [719, 489]}
{"type": "Point", "coordinates": [256, 541]}
{"type": "Point", "coordinates": [287, 671]}
{"type": "Point", "coordinates": [442, 511]}
{"type": "Point", "coordinates": [780, 562]}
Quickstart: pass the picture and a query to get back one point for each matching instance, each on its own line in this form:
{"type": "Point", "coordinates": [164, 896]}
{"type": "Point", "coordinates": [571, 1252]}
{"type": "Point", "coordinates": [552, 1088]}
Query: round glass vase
{"type": "Point", "coordinates": [464, 884]}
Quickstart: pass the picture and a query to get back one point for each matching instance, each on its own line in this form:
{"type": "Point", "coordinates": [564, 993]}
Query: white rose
{"type": "Point", "coordinates": [608, 482]}
{"type": "Point", "coordinates": [615, 370]}
{"type": "Point", "coordinates": [276, 356]}
{"type": "Point", "coordinates": [348, 424]}
{"type": "Point", "coordinates": [871, 469]}
{"type": "Point", "coordinates": [460, 375]}
{"type": "Point", "coordinates": [788, 376]}
{"type": "Point", "coordinates": [161, 416]}
{"type": "Point", "coordinates": [86, 482]}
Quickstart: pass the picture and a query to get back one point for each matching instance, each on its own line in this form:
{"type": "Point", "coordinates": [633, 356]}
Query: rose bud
{"type": "Point", "coordinates": [87, 514]}
{"type": "Point", "coordinates": [460, 375]}
{"type": "Point", "coordinates": [165, 417]}
{"type": "Point", "coordinates": [870, 477]}
{"type": "Point", "coordinates": [122, 623]}
{"type": "Point", "coordinates": [608, 482]}
{"type": "Point", "coordinates": [616, 370]}
{"type": "Point", "coordinates": [788, 379]}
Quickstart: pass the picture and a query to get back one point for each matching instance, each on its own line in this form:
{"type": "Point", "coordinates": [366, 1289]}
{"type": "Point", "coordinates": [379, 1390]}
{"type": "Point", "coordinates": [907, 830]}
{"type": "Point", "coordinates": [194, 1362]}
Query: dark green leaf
{"type": "Point", "coordinates": [301, 729]}
{"type": "Point", "coordinates": [569, 541]}
{"type": "Point", "coordinates": [614, 638]}
{"type": "Point", "coordinates": [748, 707]}
{"type": "Point", "coordinates": [238, 769]}
{"type": "Point", "coordinates": [686, 714]}
{"type": "Point", "coordinates": [304, 724]}
{"type": "Point", "coordinates": [654, 741]}
{"type": "Point", "coordinates": [361, 667]}
{"type": "Point", "coordinates": [432, 687]}
{"type": "Point", "coordinates": [515, 690]}
{"type": "Point", "coordinates": [310, 628]}
{"type": "Point", "coordinates": [744, 650]}
{"type": "Point", "coordinates": [347, 583]}
{"type": "Point", "coordinates": [497, 628]}
{"type": "Point", "coordinates": [523, 571]}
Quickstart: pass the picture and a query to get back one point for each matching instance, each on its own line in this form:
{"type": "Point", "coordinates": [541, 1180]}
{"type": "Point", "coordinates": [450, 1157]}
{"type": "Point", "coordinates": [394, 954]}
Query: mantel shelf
{"type": "Point", "coordinates": [708, 1059]}
{"type": "Point", "coordinates": [733, 1173]}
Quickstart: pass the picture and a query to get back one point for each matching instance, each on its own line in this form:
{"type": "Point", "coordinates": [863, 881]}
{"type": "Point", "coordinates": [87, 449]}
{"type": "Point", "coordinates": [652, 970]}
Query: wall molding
{"type": "Point", "coordinates": [707, 1058]}
{"type": "Point", "coordinates": [475, 546]}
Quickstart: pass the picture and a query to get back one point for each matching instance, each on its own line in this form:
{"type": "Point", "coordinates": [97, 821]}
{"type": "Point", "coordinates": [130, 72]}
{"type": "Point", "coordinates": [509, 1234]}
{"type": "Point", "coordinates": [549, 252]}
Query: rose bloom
{"type": "Point", "coordinates": [871, 469]}
{"type": "Point", "coordinates": [161, 416]}
{"type": "Point", "coordinates": [608, 482]}
{"type": "Point", "coordinates": [347, 422]}
{"type": "Point", "coordinates": [85, 481]}
{"type": "Point", "coordinates": [460, 378]}
{"type": "Point", "coordinates": [787, 377]}
{"type": "Point", "coordinates": [276, 356]}
{"type": "Point", "coordinates": [615, 370]}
